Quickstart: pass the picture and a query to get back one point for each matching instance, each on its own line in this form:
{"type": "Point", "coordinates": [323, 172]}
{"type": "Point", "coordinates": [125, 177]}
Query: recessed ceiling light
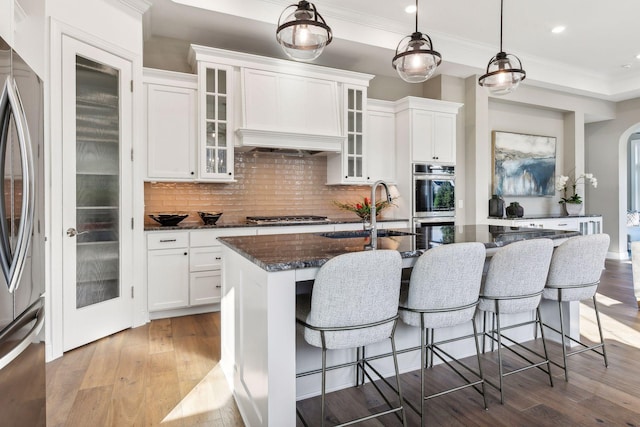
{"type": "Point", "coordinates": [410, 9]}
{"type": "Point", "coordinates": [559, 29]}
{"type": "Point", "coordinates": [638, 56]}
{"type": "Point", "coordinates": [626, 66]}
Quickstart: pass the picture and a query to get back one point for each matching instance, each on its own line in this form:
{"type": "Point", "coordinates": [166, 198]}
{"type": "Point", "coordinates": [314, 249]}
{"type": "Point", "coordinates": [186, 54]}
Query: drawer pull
{"type": "Point", "coordinates": [218, 258]}
{"type": "Point", "coordinates": [562, 225]}
{"type": "Point", "coordinates": [167, 240]}
{"type": "Point", "coordinates": [218, 286]}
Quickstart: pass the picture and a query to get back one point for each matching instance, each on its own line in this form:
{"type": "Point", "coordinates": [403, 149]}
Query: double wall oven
{"type": "Point", "coordinates": [433, 200]}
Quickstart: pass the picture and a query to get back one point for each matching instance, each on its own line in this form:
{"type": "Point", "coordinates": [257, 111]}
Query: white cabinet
{"type": "Point", "coordinates": [380, 141]}
{"type": "Point", "coordinates": [583, 224]}
{"type": "Point", "coordinates": [171, 125]}
{"type": "Point", "coordinates": [429, 127]}
{"type": "Point", "coordinates": [167, 270]}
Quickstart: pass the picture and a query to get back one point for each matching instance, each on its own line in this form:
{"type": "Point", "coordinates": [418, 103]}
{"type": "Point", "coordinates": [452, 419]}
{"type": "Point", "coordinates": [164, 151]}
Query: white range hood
{"type": "Point", "coordinates": [288, 142]}
{"type": "Point", "coordinates": [290, 111]}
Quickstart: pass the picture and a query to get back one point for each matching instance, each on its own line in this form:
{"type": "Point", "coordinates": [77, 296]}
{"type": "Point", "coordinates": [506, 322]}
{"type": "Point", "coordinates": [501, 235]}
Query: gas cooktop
{"type": "Point", "coordinates": [287, 219]}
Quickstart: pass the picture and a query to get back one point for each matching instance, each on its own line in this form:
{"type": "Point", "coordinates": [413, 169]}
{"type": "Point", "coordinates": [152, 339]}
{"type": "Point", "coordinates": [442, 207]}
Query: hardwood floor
{"type": "Point", "coordinates": [167, 373]}
{"type": "Point", "coordinates": [164, 373]}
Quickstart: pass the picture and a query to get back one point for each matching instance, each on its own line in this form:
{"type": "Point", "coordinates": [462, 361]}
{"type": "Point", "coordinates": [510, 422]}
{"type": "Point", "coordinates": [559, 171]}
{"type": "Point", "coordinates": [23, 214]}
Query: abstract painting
{"type": "Point", "coordinates": [523, 165]}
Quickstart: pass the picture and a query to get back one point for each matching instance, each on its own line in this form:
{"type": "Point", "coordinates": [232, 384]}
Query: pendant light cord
{"type": "Point", "coordinates": [416, 16]}
{"type": "Point", "coordinates": [501, 10]}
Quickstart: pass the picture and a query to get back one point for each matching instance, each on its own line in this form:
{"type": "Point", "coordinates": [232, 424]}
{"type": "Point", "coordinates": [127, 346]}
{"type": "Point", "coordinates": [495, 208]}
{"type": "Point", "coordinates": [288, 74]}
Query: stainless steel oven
{"type": "Point", "coordinates": [433, 191]}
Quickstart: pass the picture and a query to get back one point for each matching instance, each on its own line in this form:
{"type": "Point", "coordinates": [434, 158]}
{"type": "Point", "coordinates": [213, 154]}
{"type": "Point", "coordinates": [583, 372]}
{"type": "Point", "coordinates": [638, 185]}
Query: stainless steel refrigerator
{"type": "Point", "coordinates": [22, 363]}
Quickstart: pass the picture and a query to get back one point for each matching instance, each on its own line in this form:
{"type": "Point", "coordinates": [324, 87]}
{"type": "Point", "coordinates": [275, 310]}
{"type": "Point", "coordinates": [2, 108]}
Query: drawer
{"type": "Point", "coordinates": [168, 240]}
{"type": "Point", "coordinates": [206, 258]}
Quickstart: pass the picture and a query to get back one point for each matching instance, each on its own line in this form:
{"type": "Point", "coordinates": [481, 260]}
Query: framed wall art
{"type": "Point", "coordinates": [523, 165]}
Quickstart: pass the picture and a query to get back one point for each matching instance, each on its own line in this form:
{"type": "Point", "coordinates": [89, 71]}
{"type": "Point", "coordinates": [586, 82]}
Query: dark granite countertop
{"type": "Point", "coordinates": [304, 250]}
{"type": "Point", "coordinates": [222, 224]}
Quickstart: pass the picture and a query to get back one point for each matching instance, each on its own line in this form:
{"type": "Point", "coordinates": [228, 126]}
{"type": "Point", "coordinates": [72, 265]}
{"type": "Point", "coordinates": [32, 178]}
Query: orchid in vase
{"type": "Point", "coordinates": [564, 183]}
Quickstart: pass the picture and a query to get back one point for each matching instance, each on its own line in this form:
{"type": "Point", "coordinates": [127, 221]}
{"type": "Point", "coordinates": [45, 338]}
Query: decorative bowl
{"type": "Point", "coordinates": [209, 218]}
{"type": "Point", "coordinates": [168, 220]}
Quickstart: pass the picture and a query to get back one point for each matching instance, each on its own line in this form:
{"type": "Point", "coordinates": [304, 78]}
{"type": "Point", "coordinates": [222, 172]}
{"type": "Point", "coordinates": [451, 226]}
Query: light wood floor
{"type": "Point", "coordinates": [167, 373]}
{"type": "Point", "coordinates": [164, 373]}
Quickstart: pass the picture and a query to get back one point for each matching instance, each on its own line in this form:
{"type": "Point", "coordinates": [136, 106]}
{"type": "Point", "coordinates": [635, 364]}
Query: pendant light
{"type": "Point", "coordinates": [504, 71]}
{"type": "Point", "coordinates": [303, 34]}
{"type": "Point", "coordinates": [415, 59]}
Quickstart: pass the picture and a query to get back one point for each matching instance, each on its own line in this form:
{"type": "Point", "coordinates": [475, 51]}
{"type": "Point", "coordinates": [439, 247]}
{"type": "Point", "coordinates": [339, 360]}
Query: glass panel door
{"type": "Point", "coordinates": [97, 182]}
{"type": "Point", "coordinates": [216, 145]}
{"type": "Point", "coordinates": [355, 149]}
{"type": "Point", "coordinates": [96, 193]}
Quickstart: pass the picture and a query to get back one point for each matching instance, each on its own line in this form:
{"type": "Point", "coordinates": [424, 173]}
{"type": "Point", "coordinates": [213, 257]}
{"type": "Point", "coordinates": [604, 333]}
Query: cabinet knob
{"type": "Point", "coordinates": [229, 173]}
{"type": "Point", "coordinates": [185, 253]}
{"type": "Point", "coordinates": [346, 176]}
{"type": "Point", "coordinates": [193, 173]}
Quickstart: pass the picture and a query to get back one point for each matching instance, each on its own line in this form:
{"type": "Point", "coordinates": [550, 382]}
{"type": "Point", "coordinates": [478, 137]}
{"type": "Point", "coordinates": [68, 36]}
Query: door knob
{"type": "Point", "coordinates": [72, 232]}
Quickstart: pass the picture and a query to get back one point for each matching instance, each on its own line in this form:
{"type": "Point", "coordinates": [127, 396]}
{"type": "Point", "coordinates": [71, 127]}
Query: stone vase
{"type": "Point", "coordinates": [572, 209]}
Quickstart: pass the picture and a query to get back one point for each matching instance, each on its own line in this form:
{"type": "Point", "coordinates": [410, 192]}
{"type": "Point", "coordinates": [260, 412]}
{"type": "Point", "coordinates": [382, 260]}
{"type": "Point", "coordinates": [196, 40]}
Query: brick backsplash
{"type": "Point", "coordinates": [266, 184]}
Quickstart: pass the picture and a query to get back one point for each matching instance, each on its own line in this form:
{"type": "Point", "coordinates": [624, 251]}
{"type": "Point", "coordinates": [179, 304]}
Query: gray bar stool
{"type": "Point", "coordinates": [514, 284]}
{"type": "Point", "coordinates": [443, 292]}
{"type": "Point", "coordinates": [574, 275]}
{"type": "Point", "coordinates": [354, 303]}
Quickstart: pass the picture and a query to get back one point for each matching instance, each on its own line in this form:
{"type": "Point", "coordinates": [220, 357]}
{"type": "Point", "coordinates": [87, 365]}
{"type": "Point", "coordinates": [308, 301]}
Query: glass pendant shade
{"type": "Point", "coordinates": [504, 74]}
{"type": "Point", "coordinates": [303, 33]}
{"type": "Point", "coordinates": [415, 60]}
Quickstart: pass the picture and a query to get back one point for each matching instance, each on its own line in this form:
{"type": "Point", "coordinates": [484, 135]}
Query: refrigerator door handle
{"type": "Point", "coordinates": [12, 263]}
{"type": "Point", "coordinates": [36, 311]}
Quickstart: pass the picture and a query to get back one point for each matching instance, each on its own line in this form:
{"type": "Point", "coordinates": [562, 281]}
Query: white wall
{"type": "Point", "coordinates": [606, 157]}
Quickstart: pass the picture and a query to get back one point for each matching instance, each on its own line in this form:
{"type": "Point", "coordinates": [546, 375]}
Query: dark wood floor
{"type": "Point", "coordinates": [166, 373]}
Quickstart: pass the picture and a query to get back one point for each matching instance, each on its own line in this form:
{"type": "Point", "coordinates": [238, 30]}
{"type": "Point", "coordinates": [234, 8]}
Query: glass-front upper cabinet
{"type": "Point", "coordinates": [216, 122]}
{"type": "Point", "coordinates": [354, 159]}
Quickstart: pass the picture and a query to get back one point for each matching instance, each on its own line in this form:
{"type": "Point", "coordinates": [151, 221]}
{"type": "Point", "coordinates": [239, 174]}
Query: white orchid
{"type": "Point", "coordinates": [563, 182]}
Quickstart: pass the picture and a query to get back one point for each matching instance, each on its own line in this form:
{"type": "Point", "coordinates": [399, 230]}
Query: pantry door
{"type": "Point", "coordinates": [97, 205]}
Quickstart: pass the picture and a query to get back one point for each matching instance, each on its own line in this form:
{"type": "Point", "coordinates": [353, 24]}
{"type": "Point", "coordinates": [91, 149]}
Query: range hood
{"type": "Point", "coordinates": [288, 143]}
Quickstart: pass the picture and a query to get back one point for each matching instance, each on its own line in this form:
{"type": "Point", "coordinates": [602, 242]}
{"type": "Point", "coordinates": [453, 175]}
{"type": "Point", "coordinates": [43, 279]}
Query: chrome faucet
{"type": "Point", "coordinates": [374, 228]}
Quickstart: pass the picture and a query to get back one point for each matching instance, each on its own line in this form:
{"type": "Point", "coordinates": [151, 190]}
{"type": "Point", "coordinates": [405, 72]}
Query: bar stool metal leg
{"type": "Point", "coordinates": [544, 345]}
{"type": "Point", "coordinates": [604, 351]}
{"type": "Point", "coordinates": [562, 338]}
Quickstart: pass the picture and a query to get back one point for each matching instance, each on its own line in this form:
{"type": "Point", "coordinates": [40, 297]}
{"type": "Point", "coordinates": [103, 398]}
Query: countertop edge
{"type": "Point", "coordinates": [245, 225]}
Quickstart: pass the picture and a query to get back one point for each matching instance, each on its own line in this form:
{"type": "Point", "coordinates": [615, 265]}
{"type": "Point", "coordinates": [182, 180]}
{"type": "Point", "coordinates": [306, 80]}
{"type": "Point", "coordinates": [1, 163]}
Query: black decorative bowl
{"type": "Point", "coordinates": [168, 220]}
{"type": "Point", "coordinates": [209, 218]}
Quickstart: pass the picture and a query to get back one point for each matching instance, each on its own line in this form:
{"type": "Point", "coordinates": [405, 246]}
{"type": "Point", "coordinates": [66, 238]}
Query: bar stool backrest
{"type": "Point", "coordinates": [575, 263]}
{"type": "Point", "coordinates": [444, 279]}
{"type": "Point", "coordinates": [517, 270]}
{"type": "Point", "coordinates": [352, 290]}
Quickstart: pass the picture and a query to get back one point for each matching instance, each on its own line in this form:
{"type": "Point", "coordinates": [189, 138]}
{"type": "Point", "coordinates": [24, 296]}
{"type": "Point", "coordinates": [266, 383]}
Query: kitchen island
{"type": "Point", "coordinates": [261, 275]}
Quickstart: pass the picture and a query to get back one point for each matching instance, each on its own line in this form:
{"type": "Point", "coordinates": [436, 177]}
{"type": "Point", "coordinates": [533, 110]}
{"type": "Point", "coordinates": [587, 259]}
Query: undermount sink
{"type": "Point", "coordinates": [362, 233]}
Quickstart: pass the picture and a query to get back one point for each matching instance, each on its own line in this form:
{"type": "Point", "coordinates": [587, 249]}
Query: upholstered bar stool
{"type": "Point", "coordinates": [574, 275]}
{"type": "Point", "coordinates": [354, 303]}
{"type": "Point", "coordinates": [514, 284]}
{"type": "Point", "coordinates": [443, 292]}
